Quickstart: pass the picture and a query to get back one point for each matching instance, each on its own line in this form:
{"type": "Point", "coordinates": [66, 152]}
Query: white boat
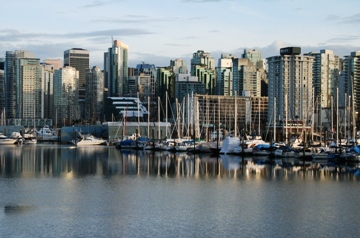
{"type": "Point", "coordinates": [184, 146]}
{"type": "Point", "coordinates": [229, 145]}
{"type": "Point", "coordinates": [4, 140]}
{"type": "Point", "coordinates": [46, 133]}
{"type": "Point", "coordinates": [88, 140]}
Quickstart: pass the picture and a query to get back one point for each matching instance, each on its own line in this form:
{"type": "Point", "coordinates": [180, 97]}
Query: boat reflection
{"type": "Point", "coordinates": [70, 161]}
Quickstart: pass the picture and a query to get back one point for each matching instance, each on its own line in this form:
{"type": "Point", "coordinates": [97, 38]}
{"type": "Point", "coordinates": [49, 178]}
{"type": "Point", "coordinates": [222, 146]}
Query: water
{"type": "Point", "coordinates": [64, 191]}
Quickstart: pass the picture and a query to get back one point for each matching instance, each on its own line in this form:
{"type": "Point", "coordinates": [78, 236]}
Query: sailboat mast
{"type": "Point", "coordinates": [259, 115]}
{"type": "Point", "coordinates": [313, 116]}
{"type": "Point", "coordinates": [235, 128]}
{"type": "Point", "coordinates": [148, 132]}
{"type": "Point", "coordinates": [345, 109]}
{"type": "Point", "coordinates": [274, 119]}
{"type": "Point", "coordinates": [138, 112]}
{"type": "Point", "coordinates": [159, 117]}
{"type": "Point", "coordinates": [286, 118]}
{"type": "Point", "coordinates": [166, 114]}
{"type": "Point", "coordinates": [337, 115]}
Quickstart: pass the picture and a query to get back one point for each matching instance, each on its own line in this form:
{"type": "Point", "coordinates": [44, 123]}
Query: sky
{"type": "Point", "coordinates": [158, 31]}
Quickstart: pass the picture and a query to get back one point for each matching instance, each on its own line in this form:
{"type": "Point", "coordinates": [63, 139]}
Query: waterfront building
{"type": "Point", "coordinates": [116, 69]}
{"type": "Point", "coordinates": [80, 60]}
{"type": "Point", "coordinates": [326, 72]}
{"type": "Point", "coordinates": [203, 67]}
{"type": "Point", "coordinates": [224, 76]}
{"type": "Point", "coordinates": [119, 108]}
{"type": "Point", "coordinates": [66, 96]}
{"type": "Point", "coordinates": [217, 111]}
{"type": "Point", "coordinates": [94, 96]}
{"type": "Point", "coordinates": [290, 74]}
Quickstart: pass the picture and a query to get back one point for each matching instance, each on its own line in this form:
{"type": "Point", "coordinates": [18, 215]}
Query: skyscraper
{"type": "Point", "coordinates": [224, 76]}
{"type": "Point", "coordinates": [2, 91]}
{"type": "Point", "coordinates": [80, 60]}
{"type": "Point", "coordinates": [66, 95]}
{"type": "Point", "coordinates": [351, 72]}
{"type": "Point", "coordinates": [48, 90]}
{"type": "Point", "coordinates": [326, 70]}
{"type": "Point", "coordinates": [23, 81]}
{"type": "Point", "coordinates": [94, 93]}
{"type": "Point", "coordinates": [116, 69]}
{"type": "Point", "coordinates": [290, 74]}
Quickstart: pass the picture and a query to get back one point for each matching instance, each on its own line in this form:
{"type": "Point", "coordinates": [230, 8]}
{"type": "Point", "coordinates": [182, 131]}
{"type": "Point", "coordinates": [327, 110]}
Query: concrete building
{"type": "Point", "coordinates": [290, 75]}
{"type": "Point", "coordinates": [255, 57]}
{"type": "Point", "coordinates": [66, 96]}
{"type": "Point", "coordinates": [94, 96]}
{"type": "Point", "coordinates": [145, 79]}
{"type": "Point", "coordinates": [116, 69]}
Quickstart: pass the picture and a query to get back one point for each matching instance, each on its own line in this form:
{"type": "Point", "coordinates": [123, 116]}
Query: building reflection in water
{"type": "Point", "coordinates": [70, 161]}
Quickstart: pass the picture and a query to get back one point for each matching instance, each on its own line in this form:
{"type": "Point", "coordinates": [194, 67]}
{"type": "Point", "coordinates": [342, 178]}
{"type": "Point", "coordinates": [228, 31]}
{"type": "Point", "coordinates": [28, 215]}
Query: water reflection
{"type": "Point", "coordinates": [70, 161]}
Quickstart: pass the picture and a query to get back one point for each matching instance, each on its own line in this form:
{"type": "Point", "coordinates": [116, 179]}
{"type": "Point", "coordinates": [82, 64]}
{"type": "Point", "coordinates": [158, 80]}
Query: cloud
{"type": "Point", "coordinates": [15, 35]}
{"type": "Point", "coordinates": [95, 4]}
{"type": "Point", "coordinates": [342, 39]}
{"type": "Point", "coordinates": [353, 19]}
{"type": "Point", "coordinates": [136, 19]}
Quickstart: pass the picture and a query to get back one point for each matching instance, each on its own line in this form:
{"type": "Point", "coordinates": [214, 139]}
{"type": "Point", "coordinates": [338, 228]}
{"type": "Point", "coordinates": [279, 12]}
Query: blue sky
{"type": "Point", "coordinates": [157, 31]}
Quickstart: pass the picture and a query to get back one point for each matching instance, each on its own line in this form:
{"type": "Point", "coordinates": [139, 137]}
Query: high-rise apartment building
{"type": "Point", "coordinates": [290, 74]}
{"type": "Point", "coordinates": [12, 83]}
{"type": "Point", "coordinates": [94, 94]}
{"type": "Point", "coordinates": [326, 72]}
{"type": "Point", "coordinates": [224, 76]}
{"type": "Point", "coordinates": [116, 69]}
{"type": "Point", "coordinates": [66, 96]}
{"type": "Point", "coordinates": [203, 67]}
{"type": "Point", "coordinates": [23, 81]}
{"type": "Point", "coordinates": [351, 75]}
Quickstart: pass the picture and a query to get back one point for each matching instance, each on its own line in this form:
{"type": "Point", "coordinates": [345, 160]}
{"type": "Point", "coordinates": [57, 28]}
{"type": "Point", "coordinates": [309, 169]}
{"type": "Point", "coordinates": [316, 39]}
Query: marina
{"type": "Point", "coordinates": [57, 190]}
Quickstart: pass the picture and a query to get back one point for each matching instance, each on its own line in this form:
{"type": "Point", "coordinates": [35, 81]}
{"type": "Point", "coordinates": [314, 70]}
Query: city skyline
{"type": "Point", "coordinates": [158, 31]}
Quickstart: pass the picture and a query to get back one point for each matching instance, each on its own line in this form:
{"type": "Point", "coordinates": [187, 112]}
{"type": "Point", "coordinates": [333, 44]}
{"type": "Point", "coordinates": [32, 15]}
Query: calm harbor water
{"type": "Point", "coordinates": [64, 191]}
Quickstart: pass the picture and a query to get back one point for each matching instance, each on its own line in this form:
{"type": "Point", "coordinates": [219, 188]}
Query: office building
{"type": "Point", "coordinates": [116, 69]}
{"type": "Point", "coordinates": [94, 96]}
{"type": "Point", "coordinates": [66, 96]}
{"type": "Point", "coordinates": [2, 91]}
{"type": "Point", "coordinates": [80, 60]}
{"type": "Point", "coordinates": [48, 89]}
{"type": "Point", "coordinates": [224, 76]}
